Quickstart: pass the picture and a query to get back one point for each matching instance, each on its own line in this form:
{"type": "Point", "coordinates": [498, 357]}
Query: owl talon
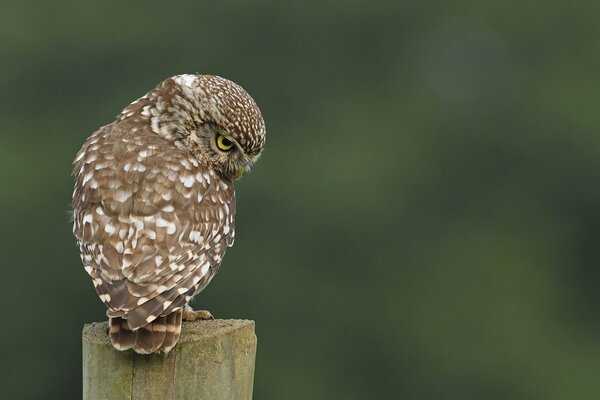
{"type": "Point", "coordinates": [199, 315]}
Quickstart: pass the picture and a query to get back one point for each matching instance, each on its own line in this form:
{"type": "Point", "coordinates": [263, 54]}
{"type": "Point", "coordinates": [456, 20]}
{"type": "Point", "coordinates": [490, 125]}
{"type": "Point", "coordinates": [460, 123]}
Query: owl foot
{"type": "Point", "coordinates": [191, 315]}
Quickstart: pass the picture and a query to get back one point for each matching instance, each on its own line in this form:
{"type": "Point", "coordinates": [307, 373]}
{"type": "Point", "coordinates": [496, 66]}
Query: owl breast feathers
{"type": "Point", "coordinates": [154, 202]}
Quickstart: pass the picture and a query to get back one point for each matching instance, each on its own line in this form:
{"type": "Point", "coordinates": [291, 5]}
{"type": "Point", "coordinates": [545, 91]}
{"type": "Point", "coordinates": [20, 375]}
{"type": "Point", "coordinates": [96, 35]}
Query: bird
{"type": "Point", "coordinates": [154, 203]}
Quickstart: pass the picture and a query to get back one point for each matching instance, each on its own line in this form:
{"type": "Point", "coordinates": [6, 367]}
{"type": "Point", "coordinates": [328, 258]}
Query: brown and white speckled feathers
{"type": "Point", "coordinates": [154, 203]}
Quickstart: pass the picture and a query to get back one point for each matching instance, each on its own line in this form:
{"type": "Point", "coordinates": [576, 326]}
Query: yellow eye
{"type": "Point", "coordinates": [223, 143]}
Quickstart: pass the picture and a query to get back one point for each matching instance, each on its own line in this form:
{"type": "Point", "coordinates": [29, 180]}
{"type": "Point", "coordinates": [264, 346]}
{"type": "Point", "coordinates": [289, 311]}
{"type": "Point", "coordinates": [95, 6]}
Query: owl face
{"type": "Point", "coordinates": [219, 148]}
{"type": "Point", "coordinates": [211, 117]}
{"type": "Point", "coordinates": [231, 130]}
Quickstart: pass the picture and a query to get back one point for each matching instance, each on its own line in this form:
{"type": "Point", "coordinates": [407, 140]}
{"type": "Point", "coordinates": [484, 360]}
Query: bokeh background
{"type": "Point", "coordinates": [423, 224]}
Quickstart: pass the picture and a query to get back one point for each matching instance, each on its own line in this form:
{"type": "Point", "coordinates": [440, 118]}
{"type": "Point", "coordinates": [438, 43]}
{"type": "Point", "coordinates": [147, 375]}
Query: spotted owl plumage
{"type": "Point", "coordinates": [154, 202]}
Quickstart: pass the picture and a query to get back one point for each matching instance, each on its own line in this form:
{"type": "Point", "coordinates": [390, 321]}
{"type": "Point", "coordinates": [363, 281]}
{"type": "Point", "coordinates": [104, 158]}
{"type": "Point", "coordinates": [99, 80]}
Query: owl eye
{"type": "Point", "coordinates": [223, 143]}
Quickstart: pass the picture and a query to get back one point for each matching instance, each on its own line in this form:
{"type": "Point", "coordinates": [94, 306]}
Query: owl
{"type": "Point", "coordinates": [154, 203]}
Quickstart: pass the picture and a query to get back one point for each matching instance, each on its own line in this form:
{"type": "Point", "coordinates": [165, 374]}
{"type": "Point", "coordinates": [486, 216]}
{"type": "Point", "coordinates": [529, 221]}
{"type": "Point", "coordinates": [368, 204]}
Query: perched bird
{"type": "Point", "coordinates": [154, 203]}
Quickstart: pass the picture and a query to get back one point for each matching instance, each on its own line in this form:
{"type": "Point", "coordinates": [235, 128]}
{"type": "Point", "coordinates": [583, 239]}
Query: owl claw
{"type": "Point", "coordinates": [191, 315]}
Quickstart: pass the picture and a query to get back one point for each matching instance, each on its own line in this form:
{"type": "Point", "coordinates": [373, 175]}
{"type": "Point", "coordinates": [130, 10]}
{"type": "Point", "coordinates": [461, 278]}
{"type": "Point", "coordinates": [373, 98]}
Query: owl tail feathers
{"type": "Point", "coordinates": [161, 334]}
{"type": "Point", "coordinates": [121, 337]}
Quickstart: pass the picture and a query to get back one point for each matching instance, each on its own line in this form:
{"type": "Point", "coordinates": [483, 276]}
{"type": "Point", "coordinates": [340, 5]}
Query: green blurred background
{"type": "Point", "coordinates": [423, 224]}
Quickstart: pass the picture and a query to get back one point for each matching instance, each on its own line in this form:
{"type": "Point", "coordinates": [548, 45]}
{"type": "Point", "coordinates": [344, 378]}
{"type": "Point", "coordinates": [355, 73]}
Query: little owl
{"type": "Point", "coordinates": [154, 203]}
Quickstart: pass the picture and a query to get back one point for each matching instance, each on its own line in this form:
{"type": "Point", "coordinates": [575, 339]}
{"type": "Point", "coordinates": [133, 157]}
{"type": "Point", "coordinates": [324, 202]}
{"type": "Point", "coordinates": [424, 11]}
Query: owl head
{"type": "Point", "coordinates": [211, 117]}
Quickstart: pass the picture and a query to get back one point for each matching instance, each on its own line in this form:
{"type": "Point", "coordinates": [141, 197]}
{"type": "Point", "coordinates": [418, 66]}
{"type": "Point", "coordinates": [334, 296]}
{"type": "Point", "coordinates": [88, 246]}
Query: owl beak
{"type": "Point", "coordinates": [238, 174]}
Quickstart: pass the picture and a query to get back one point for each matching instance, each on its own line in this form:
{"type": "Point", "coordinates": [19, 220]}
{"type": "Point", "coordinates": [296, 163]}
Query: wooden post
{"type": "Point", "coordinates": [214, 360]}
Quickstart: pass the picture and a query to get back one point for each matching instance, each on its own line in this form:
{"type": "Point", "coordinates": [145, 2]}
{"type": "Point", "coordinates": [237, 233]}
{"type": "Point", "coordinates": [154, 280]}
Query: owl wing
{"type": "Point", "coordinates": [152, 223]}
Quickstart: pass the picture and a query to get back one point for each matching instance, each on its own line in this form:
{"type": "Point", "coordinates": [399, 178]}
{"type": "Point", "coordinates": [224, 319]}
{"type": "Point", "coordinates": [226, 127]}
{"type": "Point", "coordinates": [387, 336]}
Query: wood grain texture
{"type": "Point", "coordinates": [213, 360]}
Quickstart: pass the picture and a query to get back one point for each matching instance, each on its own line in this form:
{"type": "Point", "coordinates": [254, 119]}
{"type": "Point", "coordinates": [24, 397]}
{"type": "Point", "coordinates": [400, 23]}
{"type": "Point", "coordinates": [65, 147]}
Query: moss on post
{"type": "Point", "coordinates": [214, 360]}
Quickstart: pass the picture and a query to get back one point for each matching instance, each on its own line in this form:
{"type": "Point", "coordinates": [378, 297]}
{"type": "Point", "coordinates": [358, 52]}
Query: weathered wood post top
{"type": "Point", "coordinates": [212, 360]}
